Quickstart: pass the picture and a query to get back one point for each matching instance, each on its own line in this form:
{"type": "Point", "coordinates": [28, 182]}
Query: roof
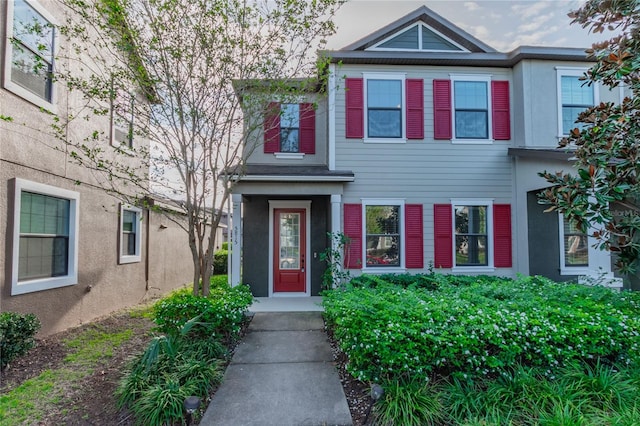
{"type": "Point", "coordinates": [543, 153]}
{"type": "Point", "coordinates": [430, 18]}
{"type": "Point", "coordinates": [476, 52]}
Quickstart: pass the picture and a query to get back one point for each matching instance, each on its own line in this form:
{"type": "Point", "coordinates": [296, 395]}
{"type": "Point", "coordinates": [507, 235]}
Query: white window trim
{"type": "Point", "coordinates": [471, 77]}
{"type": "Point", "coordinates": [289, 155]}
{"type": "Point", "coordinates": [53, 282]}
{"type": "Point", "coordinates": [10, 85]}
{"type": "Point", "coordinates": [403, 117]}
{"type": "Point", "coordinates": [420, 26]}
{"type": "Point", "coordinates": [471, 202]}
{"type": "Point", "coordinates": [570, 71]}
{"type": "Point", "coordinates": [383, 202]}
{"type": "Point", "coordinates": [599, 260]}
{"type": "Point", "coordinates": [124, 259]}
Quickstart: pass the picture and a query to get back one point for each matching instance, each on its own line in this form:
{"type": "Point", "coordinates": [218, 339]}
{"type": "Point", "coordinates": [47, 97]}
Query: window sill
{"type": "Point", "coordinates": [385, 140]}
{"type": "Point", "coordinates": [30, 97]}
{"type": "Point", "coordinates": [384, 270]}
{"type": "Point", "coordinates": [41, 284]}
{"type": "Point", "coordinates": [472, 141]}
{"type": "Point", "coordinates": [129, 259]}
{"type": "Point", "coordinates": [289, 155]}
{"type": "Point", "coordinates": [577, 270]}
{"type": "Point", "coordinates": [474, 269]}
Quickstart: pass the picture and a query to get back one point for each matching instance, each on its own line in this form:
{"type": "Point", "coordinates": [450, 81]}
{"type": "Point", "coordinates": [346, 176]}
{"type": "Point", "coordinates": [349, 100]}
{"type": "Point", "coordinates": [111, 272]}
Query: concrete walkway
{"type": "Point", "coordinates": [282, 373]}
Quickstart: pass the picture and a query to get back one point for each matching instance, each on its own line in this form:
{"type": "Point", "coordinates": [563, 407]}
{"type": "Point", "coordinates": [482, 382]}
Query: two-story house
{"type": "Point", "coordinates": [424, 151]}
{"type": "Point", "coordinates": [70, 252]}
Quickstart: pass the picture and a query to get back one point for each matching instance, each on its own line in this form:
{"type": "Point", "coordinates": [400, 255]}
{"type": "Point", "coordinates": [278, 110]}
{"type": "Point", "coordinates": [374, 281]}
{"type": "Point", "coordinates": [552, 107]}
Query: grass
{"type": "Point", "coordinates": [28, 402]}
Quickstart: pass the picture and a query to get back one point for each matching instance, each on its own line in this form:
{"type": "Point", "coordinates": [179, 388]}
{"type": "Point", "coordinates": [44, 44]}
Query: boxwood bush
{"type": "Point", "coordinates": [221, 313]}
{"type": "Point", "coordinates": [468, 327]}
{"type": "Point", "coordinates": [17, 332]}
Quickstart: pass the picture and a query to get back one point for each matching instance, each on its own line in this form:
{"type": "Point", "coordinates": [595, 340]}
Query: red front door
{"type": "Point", "coordinates": [289, 250]}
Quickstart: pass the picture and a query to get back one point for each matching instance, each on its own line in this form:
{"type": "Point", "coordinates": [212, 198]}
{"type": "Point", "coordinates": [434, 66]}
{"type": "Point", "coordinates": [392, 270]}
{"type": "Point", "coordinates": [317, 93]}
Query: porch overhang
{"type": "Point", "coordinates": [309, 174]}
{"type": "Point", "coordinates": [543, 153]}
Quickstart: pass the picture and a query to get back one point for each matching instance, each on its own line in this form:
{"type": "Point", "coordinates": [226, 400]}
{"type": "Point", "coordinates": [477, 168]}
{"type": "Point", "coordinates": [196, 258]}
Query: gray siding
{"type": "Point", "coordinates": [425, 171]}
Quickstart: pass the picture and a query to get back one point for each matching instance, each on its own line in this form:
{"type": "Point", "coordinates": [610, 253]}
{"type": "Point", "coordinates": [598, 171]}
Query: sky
{"type": "Point", "coordinates": [502, 24]}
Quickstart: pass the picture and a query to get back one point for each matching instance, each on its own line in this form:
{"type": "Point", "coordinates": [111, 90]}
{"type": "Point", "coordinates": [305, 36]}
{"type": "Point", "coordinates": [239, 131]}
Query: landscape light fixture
{"type": "Point", "coordinates": [191, 404]}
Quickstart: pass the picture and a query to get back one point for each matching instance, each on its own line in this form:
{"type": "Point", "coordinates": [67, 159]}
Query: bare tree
{"type": "Point", "coordinates": [164, 71]}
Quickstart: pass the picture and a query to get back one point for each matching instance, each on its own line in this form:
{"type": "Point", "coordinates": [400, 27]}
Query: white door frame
{"type": "Point", "coordinates": [290, 204]}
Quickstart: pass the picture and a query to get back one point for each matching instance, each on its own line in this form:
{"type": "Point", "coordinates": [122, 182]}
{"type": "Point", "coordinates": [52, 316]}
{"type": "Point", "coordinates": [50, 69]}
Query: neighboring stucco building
{"type": "Point", "coordinates": [424, 151]}
{"type": "Point", "coordinates": [71, 252]}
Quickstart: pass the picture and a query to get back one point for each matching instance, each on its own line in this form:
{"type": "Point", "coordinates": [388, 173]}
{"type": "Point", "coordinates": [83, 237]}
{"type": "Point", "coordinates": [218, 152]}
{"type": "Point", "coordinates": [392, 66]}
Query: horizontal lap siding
{"type": "Point", "coordinates": [424, 171]}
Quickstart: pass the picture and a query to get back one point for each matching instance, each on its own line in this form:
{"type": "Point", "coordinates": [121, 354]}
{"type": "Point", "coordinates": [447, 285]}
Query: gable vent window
{"type": "Point", "coordinates": [419, 37]}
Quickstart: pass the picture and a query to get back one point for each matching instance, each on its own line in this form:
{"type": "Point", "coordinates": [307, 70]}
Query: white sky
{"type": "Point", "coordinates": [502, 24]}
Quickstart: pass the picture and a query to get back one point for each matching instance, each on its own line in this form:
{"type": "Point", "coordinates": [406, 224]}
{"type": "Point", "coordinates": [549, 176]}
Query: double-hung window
{"type": "Point", "coordinates": [290, 128]}
{"type": "Point", "coordinates": [471, 109]}
{"type": "Point", "coordinates": [384, 108]}
{"type": "Point", "coordinates": [30, 52]}
{"type": "Point", "coordinates": [130, 234]}
{"type": "Point", "coordinates": [575, 242]}
{"type": "Point", "coordinates": [384, 100]}
{"type": "Point", "coordinates": [574, 96]}
{"type": "Point", "coordinates": [471, 234]}
{"type": "Point", "coordinates": [382, 228]}
{"type": "Point", "coordinates": [45, 237]}
{"type": "Point", "coordinates": [122, 118]}
{"type": "Point", "coordinates": [471, 100]}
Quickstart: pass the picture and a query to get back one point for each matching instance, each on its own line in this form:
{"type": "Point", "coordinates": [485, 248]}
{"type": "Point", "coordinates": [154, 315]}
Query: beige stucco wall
{"type": "Point", "coordinates": [103, 285]}
{"type": "Point", "coordinates": [29, 150]}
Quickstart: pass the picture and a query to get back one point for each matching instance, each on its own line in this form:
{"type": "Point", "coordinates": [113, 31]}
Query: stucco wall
{"type": "Point", "coordinates": [103, 285]}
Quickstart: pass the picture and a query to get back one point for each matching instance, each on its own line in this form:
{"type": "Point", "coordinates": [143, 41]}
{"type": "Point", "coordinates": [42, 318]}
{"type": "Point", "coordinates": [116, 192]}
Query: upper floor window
{"type": "Point", "coordinates": [30, 52]}
{"type": "Point", "coordinates": [45, 237]}
{"type": "Point", "coordinates": [471, 109]}
{"type": "Point", "coordinates": [384, 108]}
{"type": "Point", "coordinates": [122, 118]}
{"type": "Point", "coordinates": [290, 129]}
{"type": "Point", "coordinates": [574, 96]}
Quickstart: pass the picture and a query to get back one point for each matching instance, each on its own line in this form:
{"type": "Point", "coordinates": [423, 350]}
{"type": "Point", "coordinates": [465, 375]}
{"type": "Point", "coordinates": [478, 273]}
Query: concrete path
{"type": "Point", "coordinates": [282, 373]}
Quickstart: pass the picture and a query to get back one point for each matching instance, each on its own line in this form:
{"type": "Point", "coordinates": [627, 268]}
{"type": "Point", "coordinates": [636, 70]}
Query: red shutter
{"type": "Point", "coordinates": [355, 107]}
{"type": "Point", "coordinates": [353, 230]}
{"type": "Point", "coordinates": [502, 235]}
{"type": "Point", "coordinates": [501, 115]}
{"type": "Point", "coordinates": [443, 235]}
{"type": "Point", "coordinates": [415, 108]}
{"type": "Point", "coordinates": [413, 224]}
{"type": "Point", "coordinates": [441, 109]}
{"type": "Point", "coordinates": [272, 128]}
{"type": "Point", "coordinates": [307, 129]}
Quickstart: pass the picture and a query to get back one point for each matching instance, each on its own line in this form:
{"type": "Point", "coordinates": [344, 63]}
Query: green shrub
{"type": "Point", "coordinates": [220, 314]}
{"type": "Point", "coordinates": [220, 265]}
{"type": "Point", "coordinates": [479, 326]}
{"type": "Point", "coordinates": [225, 246]}
{"type": "Point", "coordinates": [17, 332]}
